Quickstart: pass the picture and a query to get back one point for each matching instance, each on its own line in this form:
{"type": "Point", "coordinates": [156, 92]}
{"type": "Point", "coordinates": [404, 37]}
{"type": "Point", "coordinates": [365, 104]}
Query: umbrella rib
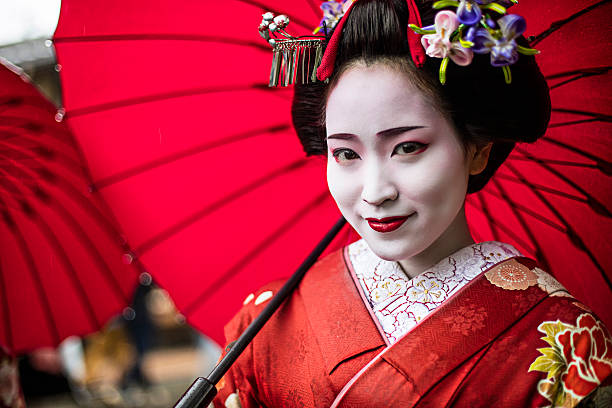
{"type": "Point", "coordinates": [581, 71]}
{"type": "Point", "coordinates": [504, 228]}
{"type": "Point", "coordinates": [577, 74]}
{"type": "Point", "coordinates": [65, 161]}
{"type": "Point", "coordinates": [603, 165]}
{"type": "Point", "coordinates": [537, 251]}
{"type": "Point", "coordinates": [11, 224]}
{"type": "Point", "coordinates": [118, 177]}
{"type": "Point", "coordinates": [84, 203]}
{"type": "Point", "coordinates": [557, 162]}
{"type": "Point", "coordinates": [10, 341]}
{"type": "Point", "coordinates": [532, 213]}
{"type": "Point", "coordinates": [122, 103]}
{"type": "Point", "coordinates": [573, 236]}
{"type": "Point", "coordinates": [234, 195]}
{"type": "Point", "coordinates": [572, 122]}
{"type": "Point", "coordinates": [59, 250]}
{"type": "Point", "coordinates": [161, 37]}
{"type": "Point", "coordinates": [12, 134]}
{"type": "Point", "coordinates": [84, 239]}
{"type": "Point", "coordinates": [27, 126]}
{"type": "Point", "coordinates": [485, 211]}
{"type": "Point", "coordinates": [593, 203]}
{"type": "Point", "coordinates": [599, 116]}
{"type": "Point", "coordinates": [542, 187]}
{"type": "Point", "coordinates": [560, 23]}
{"type": "Point", "coordinates": [249, 256]}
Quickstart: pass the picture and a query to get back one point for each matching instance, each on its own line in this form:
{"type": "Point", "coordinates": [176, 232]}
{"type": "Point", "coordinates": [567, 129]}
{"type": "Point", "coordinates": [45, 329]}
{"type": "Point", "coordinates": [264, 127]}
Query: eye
{"type": "Point", "coordinates": [344, 155]}
{"type": "Point", "coordinates": [406, 148]}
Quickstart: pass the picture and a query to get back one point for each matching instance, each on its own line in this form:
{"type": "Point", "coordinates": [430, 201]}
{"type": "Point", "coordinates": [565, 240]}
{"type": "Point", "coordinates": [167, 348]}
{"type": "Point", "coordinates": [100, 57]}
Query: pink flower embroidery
{"type": "Point", "coordinates": [512, 275]}
{"type": "Point", "coordinates": [439, 45]}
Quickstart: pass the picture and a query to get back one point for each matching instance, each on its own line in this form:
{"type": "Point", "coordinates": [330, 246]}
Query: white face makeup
{"type": "Point", "coordinates": [391, 154]}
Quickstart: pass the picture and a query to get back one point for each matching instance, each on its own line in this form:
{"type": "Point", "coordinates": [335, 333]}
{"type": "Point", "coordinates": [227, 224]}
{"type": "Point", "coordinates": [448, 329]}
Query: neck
{"type": "Point", "coordinates": [456, 236]}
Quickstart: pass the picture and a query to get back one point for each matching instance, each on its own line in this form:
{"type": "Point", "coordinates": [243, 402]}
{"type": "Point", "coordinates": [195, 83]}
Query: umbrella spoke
{"type": "Point", "coordinates": [77, 196]}
{"type": "Point", "coordinates": [115, 178]}
{"type": "Point", "coordinates": [603, 164]}
{"type": "Point", "coordinates": [573, 236]}
{"type": "Point", "coordinates": [11, 224]}
{"type": "Point", "coordinates": [162, 96]}
{"type": "Point", "coordinates": [602, 117]}
{"type": "Point", "coordinates": [54, 242]}
{"type": "Point", "coordinates": [560, 23]}
{"type": "Point", "coordinates": [576, 75]}
{"type": "Point", "coordinates": [592, 202]}
{"type": "Point", "coordinates": [27, 128]}
{"type": "Point", "coordinates": [265, 242]}
{"type": "Point", "coordinates": [572, 122]}
{"type": "Point", "coordinates": [219, 203]}
{"type": "Point", "coordinates": [528, 211]}
{"type": "Point", "coordinates": [539, 254]}
{"type": "Point", "coordinates": [556, 162]}
{"type": "Point", "coordinates": [506, 229]}
{"type": "Point", "coordinates": [485, 211]}
{"type": "Point", "coordinates": [58, 157]}
{"type": "Point", "coordinates": [47, 199]}
{"type": "Point", "coordinates": [542, 188]}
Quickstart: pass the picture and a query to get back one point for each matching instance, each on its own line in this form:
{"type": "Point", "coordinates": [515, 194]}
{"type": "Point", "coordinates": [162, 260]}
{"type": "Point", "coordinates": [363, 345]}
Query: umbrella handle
{"type": "Point", "coordinates": [202, 391]}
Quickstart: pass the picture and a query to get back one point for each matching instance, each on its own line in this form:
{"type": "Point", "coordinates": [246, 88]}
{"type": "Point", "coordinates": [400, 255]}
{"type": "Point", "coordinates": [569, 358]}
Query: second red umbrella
{"type": "Point", "coordinates": [61, 270]}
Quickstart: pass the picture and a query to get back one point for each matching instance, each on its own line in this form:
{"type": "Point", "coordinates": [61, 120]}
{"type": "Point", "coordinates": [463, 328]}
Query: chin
{"type": "Point", "coordinates": [392, 251]}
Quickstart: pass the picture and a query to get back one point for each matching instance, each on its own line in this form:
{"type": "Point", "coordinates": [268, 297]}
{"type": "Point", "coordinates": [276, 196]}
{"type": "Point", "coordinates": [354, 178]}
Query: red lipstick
{"type": "Point", "coordinates": [387, 224]}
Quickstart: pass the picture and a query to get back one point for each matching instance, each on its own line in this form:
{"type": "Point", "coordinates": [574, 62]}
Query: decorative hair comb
{"type": "Point", "coordinates": [295, 59]}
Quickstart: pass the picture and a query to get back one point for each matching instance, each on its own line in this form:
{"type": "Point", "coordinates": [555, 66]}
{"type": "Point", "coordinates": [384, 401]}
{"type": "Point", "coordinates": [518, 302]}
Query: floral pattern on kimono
{"type": "Point", "coordinates": [578, 360]}
{"type": "Point", "coordinates": [400, 303]}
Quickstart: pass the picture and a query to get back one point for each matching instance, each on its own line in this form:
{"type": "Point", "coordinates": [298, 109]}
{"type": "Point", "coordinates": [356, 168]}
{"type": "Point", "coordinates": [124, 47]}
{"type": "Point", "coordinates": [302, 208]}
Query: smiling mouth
{"type": "Point", "coordinates": [387, 224]}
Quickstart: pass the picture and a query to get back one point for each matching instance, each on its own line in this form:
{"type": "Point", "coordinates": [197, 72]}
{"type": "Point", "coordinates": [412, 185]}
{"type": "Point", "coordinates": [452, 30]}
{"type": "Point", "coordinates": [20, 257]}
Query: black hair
{"type": "Point", "coordinates": [475, 98]}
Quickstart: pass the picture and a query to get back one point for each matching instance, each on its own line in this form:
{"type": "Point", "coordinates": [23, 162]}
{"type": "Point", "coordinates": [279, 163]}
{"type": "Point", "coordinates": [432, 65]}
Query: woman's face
{"type": "Point", "coordinates": [396, 167]}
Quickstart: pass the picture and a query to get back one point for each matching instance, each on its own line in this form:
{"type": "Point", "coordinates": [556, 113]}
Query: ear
{"type": "Point", "coordinates": [480, 158]}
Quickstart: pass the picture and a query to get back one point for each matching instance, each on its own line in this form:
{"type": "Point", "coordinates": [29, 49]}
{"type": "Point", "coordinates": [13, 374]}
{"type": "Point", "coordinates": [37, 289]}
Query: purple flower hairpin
{"type": "Point", "coordinates": [476, 27]}
{"type": "Point", "coordinates": [332, 13]}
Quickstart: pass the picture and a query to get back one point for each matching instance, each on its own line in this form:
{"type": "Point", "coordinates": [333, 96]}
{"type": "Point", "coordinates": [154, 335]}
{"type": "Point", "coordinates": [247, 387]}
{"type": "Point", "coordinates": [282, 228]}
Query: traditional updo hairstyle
{"type": "Point", "coordinates": [475, 98]}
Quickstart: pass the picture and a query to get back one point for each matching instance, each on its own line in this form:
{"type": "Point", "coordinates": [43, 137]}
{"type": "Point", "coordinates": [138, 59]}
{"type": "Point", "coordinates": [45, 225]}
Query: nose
{"type": "Point", "coordinates": [377, 187]}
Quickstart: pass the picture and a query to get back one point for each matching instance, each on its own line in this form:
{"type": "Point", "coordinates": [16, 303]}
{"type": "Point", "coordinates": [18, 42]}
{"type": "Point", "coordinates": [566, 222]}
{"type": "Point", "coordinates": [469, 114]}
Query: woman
{"type": "Point", "coordinates": [416, 313]}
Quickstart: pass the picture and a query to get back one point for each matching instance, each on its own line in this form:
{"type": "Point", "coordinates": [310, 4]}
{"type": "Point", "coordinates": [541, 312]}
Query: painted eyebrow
{"type": "Point", "coordinates": [383, 133]}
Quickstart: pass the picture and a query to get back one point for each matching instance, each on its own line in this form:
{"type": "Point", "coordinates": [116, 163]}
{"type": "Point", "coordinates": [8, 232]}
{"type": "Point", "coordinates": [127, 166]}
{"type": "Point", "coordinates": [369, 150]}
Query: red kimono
{"type": "Point", "coordinates": [511, 337]}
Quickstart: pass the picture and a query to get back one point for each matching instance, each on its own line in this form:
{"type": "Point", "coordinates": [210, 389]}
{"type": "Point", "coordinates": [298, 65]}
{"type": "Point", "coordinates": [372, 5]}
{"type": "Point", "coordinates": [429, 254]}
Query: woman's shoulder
{"type": "Point", "coordinates": [562, 340]}
{"type": "Point", "coordinates": [318, 277]}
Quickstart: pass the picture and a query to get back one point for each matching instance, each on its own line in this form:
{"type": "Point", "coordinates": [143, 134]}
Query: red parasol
{"type": "Point", "coordinates": [60, 256]}
{"type": "Point", "coordinates": [198, 160]}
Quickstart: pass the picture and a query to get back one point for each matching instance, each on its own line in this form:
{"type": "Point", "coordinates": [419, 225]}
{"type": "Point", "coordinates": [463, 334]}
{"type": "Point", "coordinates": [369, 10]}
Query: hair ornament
{"type": "Point", "coordinates": [477, 26]}
{"type": "Point", "coordinates": [295, 59]}
{"type": "Point", "coordinates": [332, 13]}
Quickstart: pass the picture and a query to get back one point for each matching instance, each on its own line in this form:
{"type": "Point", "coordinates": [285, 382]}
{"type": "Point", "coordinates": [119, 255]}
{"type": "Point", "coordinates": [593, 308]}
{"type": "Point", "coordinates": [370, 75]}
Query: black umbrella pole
{"type": "Point", "coordinates": [202, 391]}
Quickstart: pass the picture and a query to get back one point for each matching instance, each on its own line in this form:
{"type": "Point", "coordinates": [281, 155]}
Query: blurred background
{"type": "Point", "coordinates": [148, 355]}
